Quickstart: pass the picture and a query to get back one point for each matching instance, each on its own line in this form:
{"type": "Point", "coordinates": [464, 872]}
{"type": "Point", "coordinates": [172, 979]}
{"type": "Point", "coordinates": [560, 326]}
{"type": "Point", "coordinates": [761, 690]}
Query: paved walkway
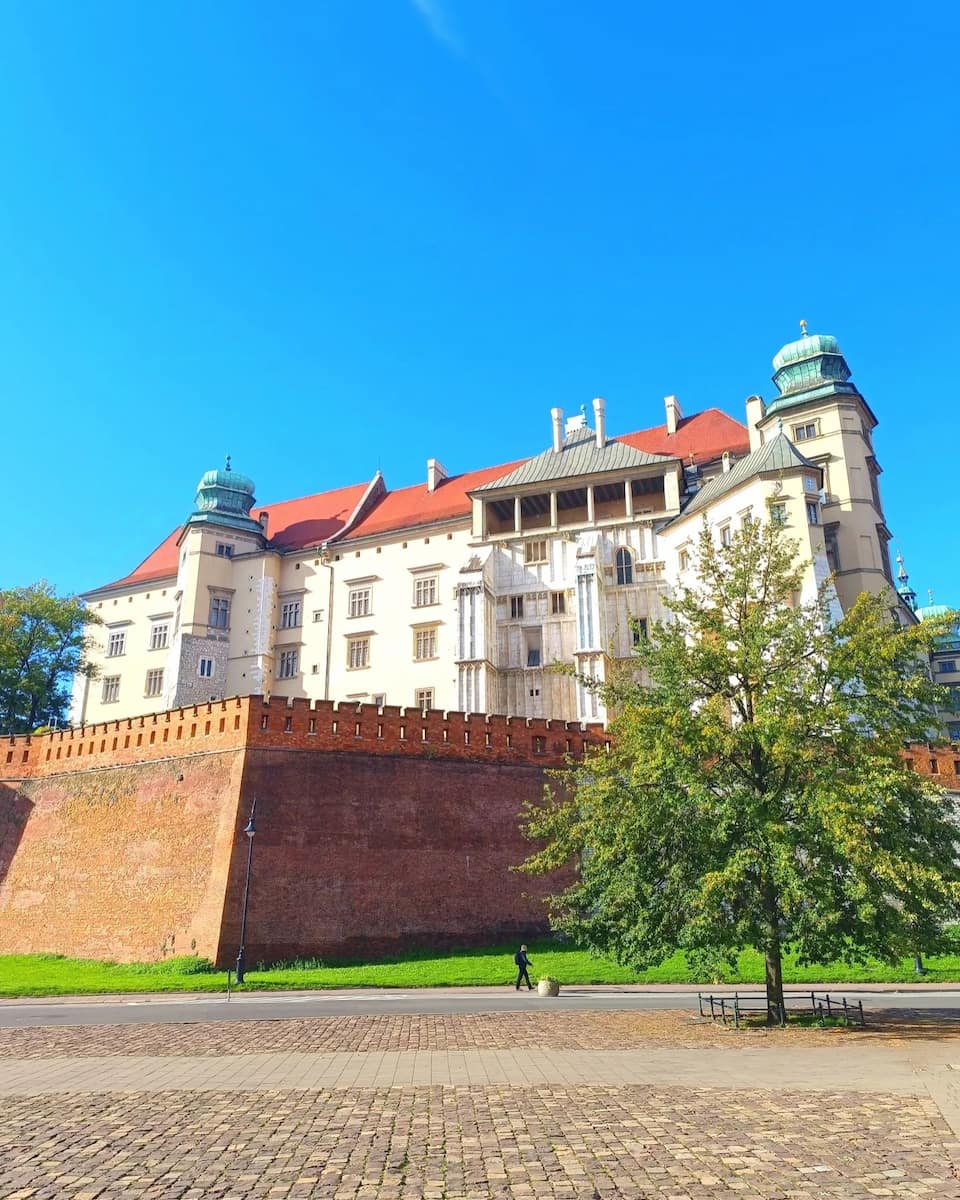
{"type": "Point", "coordinates": [587, 1106]}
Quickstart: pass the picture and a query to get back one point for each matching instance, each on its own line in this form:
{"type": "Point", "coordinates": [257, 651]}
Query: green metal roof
{"type": "Point", "coordinates": [774, 456]}
{"type": "Point", "coordinates": [579, 455]}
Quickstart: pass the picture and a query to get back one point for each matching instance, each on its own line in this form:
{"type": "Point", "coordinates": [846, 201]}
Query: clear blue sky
{"type": "Point", "coordinates": [327, 237]}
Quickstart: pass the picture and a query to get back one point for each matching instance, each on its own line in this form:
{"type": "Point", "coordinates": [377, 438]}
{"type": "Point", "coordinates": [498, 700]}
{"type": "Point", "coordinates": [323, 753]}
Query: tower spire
{"type": "Point", "coordinates": [905, 591]}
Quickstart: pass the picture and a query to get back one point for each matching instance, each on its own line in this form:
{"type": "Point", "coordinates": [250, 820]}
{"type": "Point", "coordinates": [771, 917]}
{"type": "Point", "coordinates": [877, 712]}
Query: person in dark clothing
{"type": "Point", "coordinates": [522, 962]}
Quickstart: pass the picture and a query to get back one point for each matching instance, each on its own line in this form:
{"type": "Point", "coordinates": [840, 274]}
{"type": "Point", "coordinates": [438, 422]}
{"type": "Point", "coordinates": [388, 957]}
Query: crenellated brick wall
{"type": "Point", "coordinates": [298, 724]}
{"type": "Point", "coordinates": [377, 829]}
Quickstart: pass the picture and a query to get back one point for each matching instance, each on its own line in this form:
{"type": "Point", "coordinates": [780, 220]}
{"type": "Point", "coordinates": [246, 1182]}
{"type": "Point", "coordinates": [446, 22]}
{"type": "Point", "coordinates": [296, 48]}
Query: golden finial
{"type": "Point", "coordinates": [803, 329]}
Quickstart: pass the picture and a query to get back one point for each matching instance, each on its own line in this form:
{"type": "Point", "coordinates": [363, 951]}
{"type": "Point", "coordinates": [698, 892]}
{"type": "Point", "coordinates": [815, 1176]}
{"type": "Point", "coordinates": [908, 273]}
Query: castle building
{"type": "Point", "coordinates": [945, 656]}
{"type": "Point", "coordinates": [462, 592]}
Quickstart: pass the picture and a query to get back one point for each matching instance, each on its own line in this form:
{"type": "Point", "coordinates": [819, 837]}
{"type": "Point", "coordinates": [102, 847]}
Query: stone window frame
{"type": "Point", "coordinates": [116, 643]}
{"type": "Point", "coordinates": [110, 693]}
{"type": "Point", "coordinates": [426, 643]}
{"type": "Point", "coordinates": [291, 613]}
{"type": "Point", "coordinates": [153, 683]}
{"type": "Point", "coordinates": [288, 663]}
{"type": "Point", "coordinates": [358, 652]}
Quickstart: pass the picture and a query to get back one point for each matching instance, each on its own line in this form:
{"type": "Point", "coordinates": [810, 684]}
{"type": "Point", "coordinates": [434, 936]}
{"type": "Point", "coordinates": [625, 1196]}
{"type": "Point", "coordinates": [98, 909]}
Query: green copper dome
{"type": "Point", "coordinates": [225, 491]}
{"type": "Point", "coordinates": [929, 611]}
{"type": "Point", "coordinates": [809, 368]}
{"type": "Point", "coordinates": [808, 346]}
{"type": "Point", "coordinates": [225, 497]}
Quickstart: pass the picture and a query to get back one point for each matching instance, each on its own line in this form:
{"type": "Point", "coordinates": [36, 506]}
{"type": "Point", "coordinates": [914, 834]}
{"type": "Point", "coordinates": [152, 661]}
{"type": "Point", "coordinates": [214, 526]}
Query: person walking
{"type": "Point", "coordinates": [522, 962]}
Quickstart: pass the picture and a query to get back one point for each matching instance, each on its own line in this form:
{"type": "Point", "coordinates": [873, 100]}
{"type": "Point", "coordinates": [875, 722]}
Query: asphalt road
{"type": "Point", "coordinates": [300, 1005]}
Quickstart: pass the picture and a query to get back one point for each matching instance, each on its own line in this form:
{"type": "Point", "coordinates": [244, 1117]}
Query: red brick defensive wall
{"type": "Point", "coordinates": [377, 829]}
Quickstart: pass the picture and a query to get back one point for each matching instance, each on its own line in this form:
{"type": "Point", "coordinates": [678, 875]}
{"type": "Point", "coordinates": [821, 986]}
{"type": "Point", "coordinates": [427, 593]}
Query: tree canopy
{"type": "Point", "coordinates": [756, 792]}
{"type": "Point", "coordinates": [42, 643]}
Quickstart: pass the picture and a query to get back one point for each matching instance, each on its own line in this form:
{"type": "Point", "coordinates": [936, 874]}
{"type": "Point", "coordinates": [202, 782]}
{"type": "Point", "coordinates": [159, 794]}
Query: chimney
{"type": "Point", "coordinates": [556, 415]}
{"type": "Point", "coordinates": [436, 472]}
{"type": "Point", "coordinates": [600, 421]}
{"type": "Point", "coordinates": [674, 415]}
{"type": "Point", "coordinates": [264, 520]}
{"type": "Point", "coordinates": [725, 461]}
{"type": "Point", "coordinates": [755, 414]}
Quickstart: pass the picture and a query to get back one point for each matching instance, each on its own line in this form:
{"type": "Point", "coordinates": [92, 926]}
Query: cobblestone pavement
{"type": "Point", "coordinates": [474, 1143]}
{"type": "Point", "coordinates": [562, 1031]}
{"type": "Point", "coordinates": [566, 1140]}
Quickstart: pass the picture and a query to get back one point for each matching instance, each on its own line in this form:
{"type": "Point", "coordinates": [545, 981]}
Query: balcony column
{"type": "Point", "coordinates": [628, 499]}
{"type": "Point", "coordinates": [590, 509]}
{"type": "Point", "coordinates": [553, 510]}
{"type": "Point", "coordinates": [516, 514]}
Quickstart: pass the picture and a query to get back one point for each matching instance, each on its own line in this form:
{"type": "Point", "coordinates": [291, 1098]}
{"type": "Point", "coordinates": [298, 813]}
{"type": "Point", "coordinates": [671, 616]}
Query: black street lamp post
{"type": "Point", "coordinates": [250, 830]}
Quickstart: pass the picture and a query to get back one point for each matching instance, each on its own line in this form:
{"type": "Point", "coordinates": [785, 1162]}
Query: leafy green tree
{"type": "Point", "coordinates": [43, 639]}
{"type": "Point", "coordinates": [755, 793]}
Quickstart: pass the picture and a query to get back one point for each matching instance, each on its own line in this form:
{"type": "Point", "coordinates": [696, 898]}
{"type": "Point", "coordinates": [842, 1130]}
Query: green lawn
{"type": "Point", "coordinates": [53, 975]}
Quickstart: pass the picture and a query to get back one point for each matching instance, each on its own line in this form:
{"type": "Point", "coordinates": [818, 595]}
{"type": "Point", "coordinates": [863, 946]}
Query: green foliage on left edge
{"type": "Point", "coordinates": [756, 794]}
{"type": "Point", "coordinates": [42, 645]}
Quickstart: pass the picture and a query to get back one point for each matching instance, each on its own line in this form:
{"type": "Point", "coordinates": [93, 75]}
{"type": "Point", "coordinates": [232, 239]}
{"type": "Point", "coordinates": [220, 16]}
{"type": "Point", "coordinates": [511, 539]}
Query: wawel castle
{"type": "Point", "coordinates": [461, 592]}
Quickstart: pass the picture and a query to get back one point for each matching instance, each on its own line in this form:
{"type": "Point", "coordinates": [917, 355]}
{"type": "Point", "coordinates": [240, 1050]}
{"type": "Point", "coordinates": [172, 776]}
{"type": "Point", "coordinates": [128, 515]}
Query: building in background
{"type": "Point", "coordinates": [463, 592]}
{"type": "Point", "coordinates": [945, 658]}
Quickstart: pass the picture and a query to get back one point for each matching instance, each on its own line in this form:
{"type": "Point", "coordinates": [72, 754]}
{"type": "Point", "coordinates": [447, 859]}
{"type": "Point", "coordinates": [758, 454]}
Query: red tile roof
{"type": "Point", "coordinates": [310, 520]}
{"type": "Point", "coordinates": [417, 506]}
{"type": "Point", "coordinates": [294, 524]}
{"type": "Point", "coordinates": [705, 436]}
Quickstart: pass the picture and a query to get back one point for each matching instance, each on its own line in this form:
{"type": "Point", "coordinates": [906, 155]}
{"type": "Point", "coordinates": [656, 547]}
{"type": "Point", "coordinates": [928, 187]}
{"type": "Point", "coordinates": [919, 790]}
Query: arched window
{"type": "Point", "coordinates": [624, 566]}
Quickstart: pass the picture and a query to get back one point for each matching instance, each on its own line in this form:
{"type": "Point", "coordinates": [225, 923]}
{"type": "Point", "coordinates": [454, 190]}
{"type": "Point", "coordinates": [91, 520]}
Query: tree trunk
{"type": "Point", "coordinates": [773, 966]}
{"type": "Point", "coordinates": [773, 970]}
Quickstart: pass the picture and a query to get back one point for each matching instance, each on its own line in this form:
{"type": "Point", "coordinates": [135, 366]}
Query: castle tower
{"type": "Point", "coordinates": [212, 647]}
{"type": "Point", "coordinates": [824, 414]}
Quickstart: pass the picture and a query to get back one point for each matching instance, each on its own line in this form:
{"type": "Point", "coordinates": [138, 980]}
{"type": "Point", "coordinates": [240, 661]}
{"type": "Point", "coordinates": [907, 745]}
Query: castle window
{"type": "Point", "coordinates": [558, 603]}
{"type": "Point", "coordinates": [317, 615]}
{"type": "Point", "coordinates": [358, 602]}
{"type": "Point", "coordinates": [535, 551]}
{"type": "Point", "coordinates": [684, 560]}
{"type": "Point", "coordinates": [425, 644]}
{"type": "Point", "coordinates": [778, 514]}
{"type": "Point", "coordinates": [159, 635]}
{"type": "Point", "coordinates": [726, 535]}
{"type": "Point", "coordinates": [424, 698]}
{"type": "Point", "coordinates": [813, 514]}
{"type": "Point", "coordinates": [224, 550]}
{"type": "Point", "coordinates": [115, 643]}
{"type": "Point", "coordinates": [639, 627]}
{"type": "Point", "coordinates": [154, 683]}
{"type": "Point", "coordinates": [358, 653]}
{"type": "Point", "coordinates": [425, 591]}
{"type": "Point", "coordinates": [219, 612]}
{"type": "Point", "coordinates": [205, 668]}
{"type": "Point", "coordinates": [290, 614]}
{"type": "Point", "coordinates": [803, 433]}
{"type": "Point", "coordinates": [111, 689]}
{"type": "Point", "coordinates": [624, 566]}
{"type": "Point", "coordinates": [289, 664]}
{"type": "Point", "coordinates": [516, 607]}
